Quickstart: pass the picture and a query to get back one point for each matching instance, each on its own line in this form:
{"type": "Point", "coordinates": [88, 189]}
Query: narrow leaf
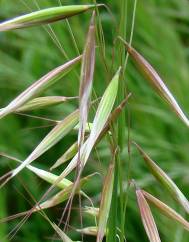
{"type": "Point", "coordinates": [43, 102]}
{"type": "Point", "coordinates": [66, 156]}
{"type": "Point", "coordinates": [49, 177]}
{"type": "Point", "coordinates": [44, 16]}
{"type": "Point", "coordinates": [165, 180]}
{"type": "Point", "coordinates": [113, 116]}
{"type": "Point", "coordinates": [74, 148]}
{"type": "Point", "coordinates": [156, 82]}
{"type": "Point", "coordinates": [45, 175]}
{"type": "Point", "coordinates": [53, 137]}
{"type": "Point", "coordinates": [147, 218]}
{"type": "Point", "coordinates": [55, 200]}
{"type": "Point", "coordinates": [101, 117]}
{"type": "Point", "coordinates": [60, 197]}
{"type": "Point", "coordinates": [63, 195]}
{"type": "Point", "coordinates": [105, 203]}
{"type": "Point", "coordinates": [39, 86]}
{"type": "Point", "coordinates": [166, 210]}
{"type": "Point", "coordinates": [86, 80]}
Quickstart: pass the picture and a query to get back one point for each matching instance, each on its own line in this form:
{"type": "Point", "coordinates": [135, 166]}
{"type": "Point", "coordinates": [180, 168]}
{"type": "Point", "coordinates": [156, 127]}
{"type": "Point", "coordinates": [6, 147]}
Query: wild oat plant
{"type": "Point", "coordinates": [99, 120]}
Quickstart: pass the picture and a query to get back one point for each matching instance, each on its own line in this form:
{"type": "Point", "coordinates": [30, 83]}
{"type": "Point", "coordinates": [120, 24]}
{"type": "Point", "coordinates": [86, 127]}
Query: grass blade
{"type": "Point", "coordinates": [53, 137]}
{"type": "Point", "coordinates": [74, 148]}
{"type": "Point", "coordinates": [101, 117]}
{"type": "Point", "coordinates": [86, 81]}
{"type": "Point", "coordinates": [54, 200]}
{"type": "Point", "coordinates": [49, 177]}
{"type": "Point", "coordinates": [43, 102]}
{"type": "Point", "coordinates": [105, 203]}
{"type": "Point", "coordinates": [39, 86]}
{"type": "Point", "coordinates": [63, 195]}
{"type": "Point", "coordinates": [44, 16]}
{"type": "Point", "coordinates": [156, 82]}
{"type": "Point", "coordinates": [66, 156]}
{"type": "Point", "coordinates": [147, 218]}
{"type": "Point", "coordinates": [45, 175]}
{"type": "Point", "coordinates": [113, 116]}
{"type": "Point", "coordinates": [165, 180]}
{"type": "Point", "coordinates": [87, 72]}
{"type": "Point", "coordinates": [65, 184]}
{"type": "Point", "coordinates": [166, 210]}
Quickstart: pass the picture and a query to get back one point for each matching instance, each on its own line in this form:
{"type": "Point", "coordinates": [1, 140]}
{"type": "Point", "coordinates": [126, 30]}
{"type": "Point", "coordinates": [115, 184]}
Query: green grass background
{"type": "Point", "coordinates": [162, 35]}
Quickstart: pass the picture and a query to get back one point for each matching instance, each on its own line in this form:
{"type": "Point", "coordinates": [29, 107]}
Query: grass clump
{"type": "Point", "coordinates": [94, 132]}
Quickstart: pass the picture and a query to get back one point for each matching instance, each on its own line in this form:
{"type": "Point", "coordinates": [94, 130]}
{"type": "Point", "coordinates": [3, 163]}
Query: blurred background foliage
{"type": "Point", "coordinates": [162, 36]}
